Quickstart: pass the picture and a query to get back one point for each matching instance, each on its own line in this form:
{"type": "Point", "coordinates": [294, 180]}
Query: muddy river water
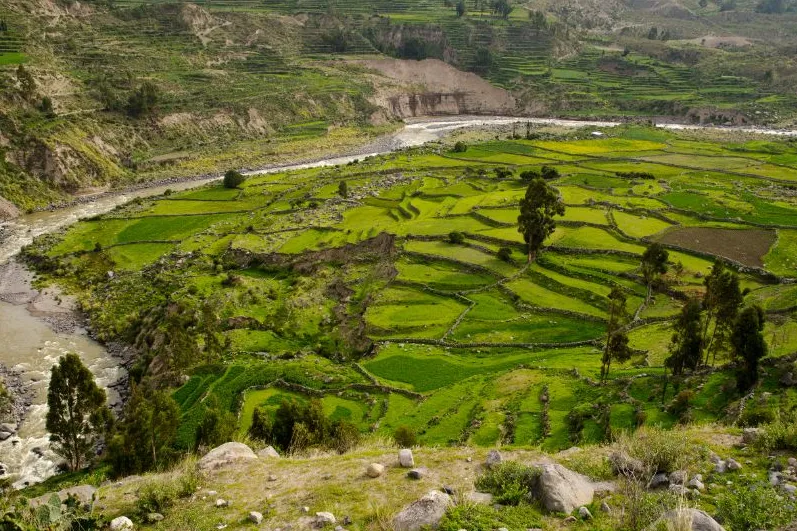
{"type": "Point", "coordinates": [32, 331]}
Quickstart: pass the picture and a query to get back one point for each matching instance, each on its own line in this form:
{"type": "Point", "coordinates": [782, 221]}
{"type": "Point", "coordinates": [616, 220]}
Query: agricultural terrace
{"type": "Point", "coordinates": [364, 302]}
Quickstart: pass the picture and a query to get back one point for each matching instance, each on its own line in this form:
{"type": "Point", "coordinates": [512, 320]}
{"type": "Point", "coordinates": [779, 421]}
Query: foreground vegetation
{"type": "Point", "coordinates": [410, 302]}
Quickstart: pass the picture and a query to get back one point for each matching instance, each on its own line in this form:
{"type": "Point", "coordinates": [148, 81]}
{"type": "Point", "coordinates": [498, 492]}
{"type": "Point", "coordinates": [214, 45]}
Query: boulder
{"type": "Point", "coordinates": [584, 513]}
{"type": "Point", "coordinates": [405, 458]}
{"type": "Point", "coordinates": [605, 507]}
{"type": "Point", "coordinates": [225, 455]}
{"type": "Point", "coordinates": [324, 518]}
{"type": "Point", "coordinates": [696, 484]}
{"type": "Point", "coordinates": [678, 477]}
{"type": "Point", "coordinates": [268, 453]}
{"type": "Point", "coordinates": [423, 513]}
{"type": "Point", "coordinates": [625, 465]}
{"type": "Point", "coordinates": [563, 490]}
{"type": "Point", "coordinates": [750, 435]}
{"type": "Point", "coordinates": [680, 518]}
{"type": "Point", "coordinates": [659, 480]}
{"type": "Point", "coordinates": [255, 517]}
{"type": "Point", "coordinates": [733, 464]}
{"type": "Point", "coordinates": [121, 523]}
{"type": "Point", "coordinates": [417, 473]}
{"type": "Point", "coordinates": [792, 462]}
{"type": "Point", "coordinates": [493, 458]}
{"type": "Point", "coordinates": [720, 467]}
{"type": "Point", "coordinates": [375, 470]}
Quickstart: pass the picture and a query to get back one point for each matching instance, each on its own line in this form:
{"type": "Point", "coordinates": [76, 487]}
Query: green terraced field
{"type": "Point", "coordinates": [367, 303]}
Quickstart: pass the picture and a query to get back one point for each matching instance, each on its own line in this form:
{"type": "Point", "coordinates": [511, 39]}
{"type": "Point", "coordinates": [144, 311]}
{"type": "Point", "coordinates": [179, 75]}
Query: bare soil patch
{"type": "Point", "coordinates": [746, 246]}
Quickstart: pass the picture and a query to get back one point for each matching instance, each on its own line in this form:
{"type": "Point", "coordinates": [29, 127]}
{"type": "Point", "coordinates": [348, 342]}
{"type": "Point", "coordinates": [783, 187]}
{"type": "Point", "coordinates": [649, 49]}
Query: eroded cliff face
{"type": "Point", "coordinates": [431, 87]}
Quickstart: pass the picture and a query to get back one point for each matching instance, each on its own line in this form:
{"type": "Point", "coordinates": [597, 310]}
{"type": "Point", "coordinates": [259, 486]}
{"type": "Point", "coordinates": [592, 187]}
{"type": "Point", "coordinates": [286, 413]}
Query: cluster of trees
{"type": "Point", "coordinates": [716, 325]}
{"type": "Point", "coordinates": [297, 426]}
{"type": "Point", "coordinates": [635, 175]}
{"type": "Point", "coordinates": [546, 172]}
{"type": "Point", "coordinates": [654, 34]}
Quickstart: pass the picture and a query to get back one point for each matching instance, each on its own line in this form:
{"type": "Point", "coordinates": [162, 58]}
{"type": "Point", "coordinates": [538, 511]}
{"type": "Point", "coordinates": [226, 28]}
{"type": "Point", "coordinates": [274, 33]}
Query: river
{"type": "Point", "coordinates": [30, 346]}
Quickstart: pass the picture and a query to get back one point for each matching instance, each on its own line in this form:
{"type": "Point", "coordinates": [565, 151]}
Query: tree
{"type": "Point", "coordinates": [217, 426]}
{"type": "Point", "coordinates": [749, 345]}
{"type": "Point", "coordinates": [142, 100]}
{"type": "Point", "coordinates": [145, 437]}
{"type": "Point", "coordinates": [456, 238]}
{"type": "Point", "coordinates": [233, 179]}
{"type": "Point", "coordinates": [483, 60]}
{"type": "Point", "coordinates": [654, 264]}
{"type": "Point", "coordinates": [461, 9]}
{"type": "Point", "coordinates": [46, 107]}
{"type": "Point", "coordinates": [686, 347]}
{"type": "Point", "coordinates": [653, 34]}
{"type": "Point", "coordinates": [343, 189]}
{"type": "Point", "coordinates": [616, 347]}
{"type": "Point", "coordinates": [721, 301]}
{"type": "Point", "coordinates": [209, 328]}
{"type": "Point", "coordinates": [262, 425]}
{"type": "Point", "coordinates": [537, 210]}
{"type": "Point", "coordinates": [459, 147]}
{"type": "Point", "coordinates": [502, 7]}
{"type": "Point", "coordinates": [549, 172]}
{"type": "Point", "coordinates": [77, 416]}
{"type": "Point", "coordinates": [27, 85]}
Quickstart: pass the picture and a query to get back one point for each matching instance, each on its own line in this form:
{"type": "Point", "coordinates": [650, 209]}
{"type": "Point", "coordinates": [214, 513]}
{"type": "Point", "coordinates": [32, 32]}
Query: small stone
{"type": "Point", "coordinates": [469, 459]}
{"type": "Point", "coordinates": [221, 502]}
{"type": "Point", "coordinates": [121, 523]}
{"type": "Point", "coordinates": [605, 507]}
{"type": "Point", "coordinates": [417, 473]}
{"type": "Point", "coordinates": [255, 517]}
{"type": "Point", "coordinates": [375, 470]}
{"type": "Point", "coordinates": [339, 528]}
{"type": "Point", "coordinates": [324, 518]}
{"type": "Point", "coordinates": [326, 476]}
{"type": "Point", "coordinates": [272, 477]}
{"type": "Point", "coordinates": [448, 490]}
{"type": "Point", "coordinates": [659, 480]}
{"type": "Point", "coordinates": [733, 464]}
{"type": "Point", "coordinates": [153, 517]}
{"type": "Point", "coordinates": [480, 498]}
{"type": "Point", "coordinates": [221, 526]}
{"type": "Point", "coordinates": [792, 462]}
{"type": "Point", "coordinates": [212, 493]}
{"type": "Point", "coordinates": [680, 490]}
{"type": "Point", "coordinates": [346, 520]}
{"type": "Point", "coordinates": [493, 458]}
{"type": "Point", "coordinates": [720, 467]}
{"type": "Point", "coordinates": [584, 513]}
{"type": "Point", "coordinates": [570, 520]}
{"type": "Point", "coordinates": [750, 435]}
{"type": "Point", "coordinates": [405, 458]}
{"type": "Point", "coordinates": [305, 509]}
{"type": "Point", "coordinates": [695, 483]}
{"type": "Point", "coordinates": [502, 529]}
{"type": "Point", "coordinates": [714, 458]}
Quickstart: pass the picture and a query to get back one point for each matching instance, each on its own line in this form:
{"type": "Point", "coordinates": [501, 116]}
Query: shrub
{"type": "Point", "coordinates": [233, 179]}
{"type": "Point", "coordinates": [680, 406]}
{"type": "Point", "coordinates": [503, 173]}
{"type": "Point", "coordinates": [460, 147]}
{"type": "Point", "coordinates": [142, 100]}
{"type": "Point", "coordinates": [474, 517]}
{"type": "Point", "coordinates": [217, 426]}
{"type": "Point", "coordinates": [262, 425]}
{"type": "Point", "coordinates": [758, 506]}
{"type": "Point", "coordinates": [659, 450]}
{"type": "Point", "coordinates": [530, 175]}
{"type": "Point", "coordinates": [780, 434]}
{"type": "Point", "coordinates": [405, 437]}
{"type": "Point", "coordinates": [510, 482]}
{"type": "Point", "coordinates": [505, 254]}
{"type": "Point", "coordinates": [159, 494]}
{"type": "Point", "coordinates": [549, 172]}
{"type": "Point", "coordinates": [456, 237]}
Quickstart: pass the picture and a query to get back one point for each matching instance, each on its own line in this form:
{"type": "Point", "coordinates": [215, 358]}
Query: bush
{"type": "Point", "coordinates": [780, 434]}
{"type": "Point", "coordinates": [659, 450]}
{"type": "Point", "coordinates": [680, 406]}
{"type": "Point", "coordinates": [474, 517]}
{"type": "Point", "coordinates": [503, 173]}
{"type": "Point", "coordinates": [142, 100]}
{"type": "Point", "coordinates": [460, 147]}
{"type": "Point", "coordinates": [159, 494]}
{"type": "Point", "coordinates": [549, 172]}
{"type": "Point", "coordinates": [758, 506]}
{"type": "Point", "coordinates": [456, 237]}
{"type": "Point", "coordinates": [298, 426]}
{"type": "Point", "coordinates": [505, 254]}
{"type": "Point", "coordinates": [405, 437]}
{"type": "Point", "coordinates": [510, 482]}
{"type": "Point", "coordinates": [233, 179]}
{"type": "Point", "coordinates": [262, 425]}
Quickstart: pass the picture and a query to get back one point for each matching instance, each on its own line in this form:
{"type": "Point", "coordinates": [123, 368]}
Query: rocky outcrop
{"type": "Point", "coordinates": [84, 494]}
{"type": "Point", "coordinates": [423, 513]}
{"type": "Point", "coordinates": [562, 490]}
{"type": "Point", "coordinates": [225, 455]}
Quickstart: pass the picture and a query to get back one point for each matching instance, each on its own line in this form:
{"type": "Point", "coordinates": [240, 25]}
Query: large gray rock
{"type": "Point", "coordinates": [425, 512]}
{"type": "Point", "coordinates": [225, 455]}
{"type": "Point", "coordinates": [493, 459]}
{"type": "Point", "coordinates": [83, 493]}
{"type": "Point", "coordinates": [563, 490]}
{"type": "Point", "coordinates": [625, 465]}
{"type": "Point", "coordinates": [680, 518]}
{"type": "Point", "coordinates": [405, 458]}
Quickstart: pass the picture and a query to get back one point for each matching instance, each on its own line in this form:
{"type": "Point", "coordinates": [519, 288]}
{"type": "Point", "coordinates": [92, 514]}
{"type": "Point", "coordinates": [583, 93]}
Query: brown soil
{"type": "Point", "coordinates": [746, 246]}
